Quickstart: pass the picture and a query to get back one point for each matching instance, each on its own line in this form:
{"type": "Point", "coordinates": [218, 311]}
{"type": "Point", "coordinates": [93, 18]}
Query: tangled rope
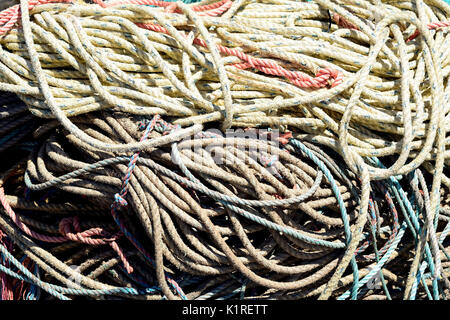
{"type": "Point", "coordinates": [354, 186]}
{"type": "Point", "coordinates": [360, 117]}
{"type": "Point", "coordinates": [184, 201]}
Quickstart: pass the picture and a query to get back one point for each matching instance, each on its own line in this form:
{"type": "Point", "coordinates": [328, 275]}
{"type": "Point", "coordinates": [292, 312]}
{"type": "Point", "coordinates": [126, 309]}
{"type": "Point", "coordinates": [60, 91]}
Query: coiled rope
{"type": "Point", "coordinates": [373, 84]}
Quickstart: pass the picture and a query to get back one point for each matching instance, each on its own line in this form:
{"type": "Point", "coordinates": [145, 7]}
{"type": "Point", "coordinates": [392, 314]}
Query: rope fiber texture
{"type": "Point", "coordinates": [269, 149]}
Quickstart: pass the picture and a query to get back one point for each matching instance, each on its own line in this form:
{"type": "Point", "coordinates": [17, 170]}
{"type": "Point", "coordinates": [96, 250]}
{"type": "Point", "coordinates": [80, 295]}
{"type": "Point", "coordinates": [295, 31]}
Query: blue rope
{"type": "Point", "coordinates": [408, 211]}
{"type": "Point", "coordinates": [59, 291]}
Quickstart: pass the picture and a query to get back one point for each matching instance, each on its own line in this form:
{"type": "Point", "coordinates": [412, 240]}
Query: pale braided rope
{"type": "Point", "coordinates": [248, 17]}
{"type": "Point", "coordinates": [142, 178]}
{"type": "Point", "coordinates": [352, 143]}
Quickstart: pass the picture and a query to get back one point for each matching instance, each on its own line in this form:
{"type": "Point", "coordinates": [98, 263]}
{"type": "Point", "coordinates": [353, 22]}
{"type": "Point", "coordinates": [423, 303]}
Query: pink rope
{"type": "Point", "coordinates": [70, 228]}
{"type": "Point", "coordinates": [431, 26]}
{"type": "Point", "coordinates": [322, 79]}
{"type": "Point", "coordinates": [267, 66]}
{"type": "Point", "coordinates": [10, 16]}
{"type": "Point", "coordinates": [213, 9]}
{"type": "Point", "coordinates": [65, 228]}
{"type": "Point", "coordinates": [10, 212]}
{"type": "Point", "coordinates": [5, 281]}
{"type": "Point", "coordinates": [341, 22]}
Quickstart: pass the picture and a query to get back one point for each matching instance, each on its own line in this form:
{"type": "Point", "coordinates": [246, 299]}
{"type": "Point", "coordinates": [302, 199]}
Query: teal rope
{"type": "Point", "coordinates": [408, 211]}
{"type": "Point", "coordinates": [286, 230]}
{"type": "Point", "coordinates": [408, 207]}
{"type": "Point", "coordinates": [59, 291]}
{"type": "Point", "coordinates": [380, 264]}
{"type": "Point", "coordinates": [424, 264]}
{"type": "Point", "coordinates": [335, 189]}
{"type": "Point", "coordinates": [226, 200]}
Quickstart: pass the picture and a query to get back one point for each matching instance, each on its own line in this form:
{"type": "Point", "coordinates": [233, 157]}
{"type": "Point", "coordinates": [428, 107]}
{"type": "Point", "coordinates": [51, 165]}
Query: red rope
{"type": "Point", "coordinates": [70, 228]}
{"type": "Point", "coordinates": [158, 3]}
{"type": "Point", "coordinates": [65, 228]}
{"type": "Point", "coordinates": [213, 9]}
{"type": "Point", "coordinates": [10, 16]}
{"type": "Point", "coordinates": [431, 26]}
{"type": "Point", "coordinates": [267, 66]}
{"type": "Point", "coordinates": [341, 22]}
{"type": "Point", "coordinates": [323, 78]}
{"type": "Point", "coordinates": [6, 283]}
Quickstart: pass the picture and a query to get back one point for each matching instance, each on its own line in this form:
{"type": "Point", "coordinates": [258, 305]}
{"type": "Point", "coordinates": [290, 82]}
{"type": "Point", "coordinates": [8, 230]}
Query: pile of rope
{"type": "Point", "coordinates": [120, 146]}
